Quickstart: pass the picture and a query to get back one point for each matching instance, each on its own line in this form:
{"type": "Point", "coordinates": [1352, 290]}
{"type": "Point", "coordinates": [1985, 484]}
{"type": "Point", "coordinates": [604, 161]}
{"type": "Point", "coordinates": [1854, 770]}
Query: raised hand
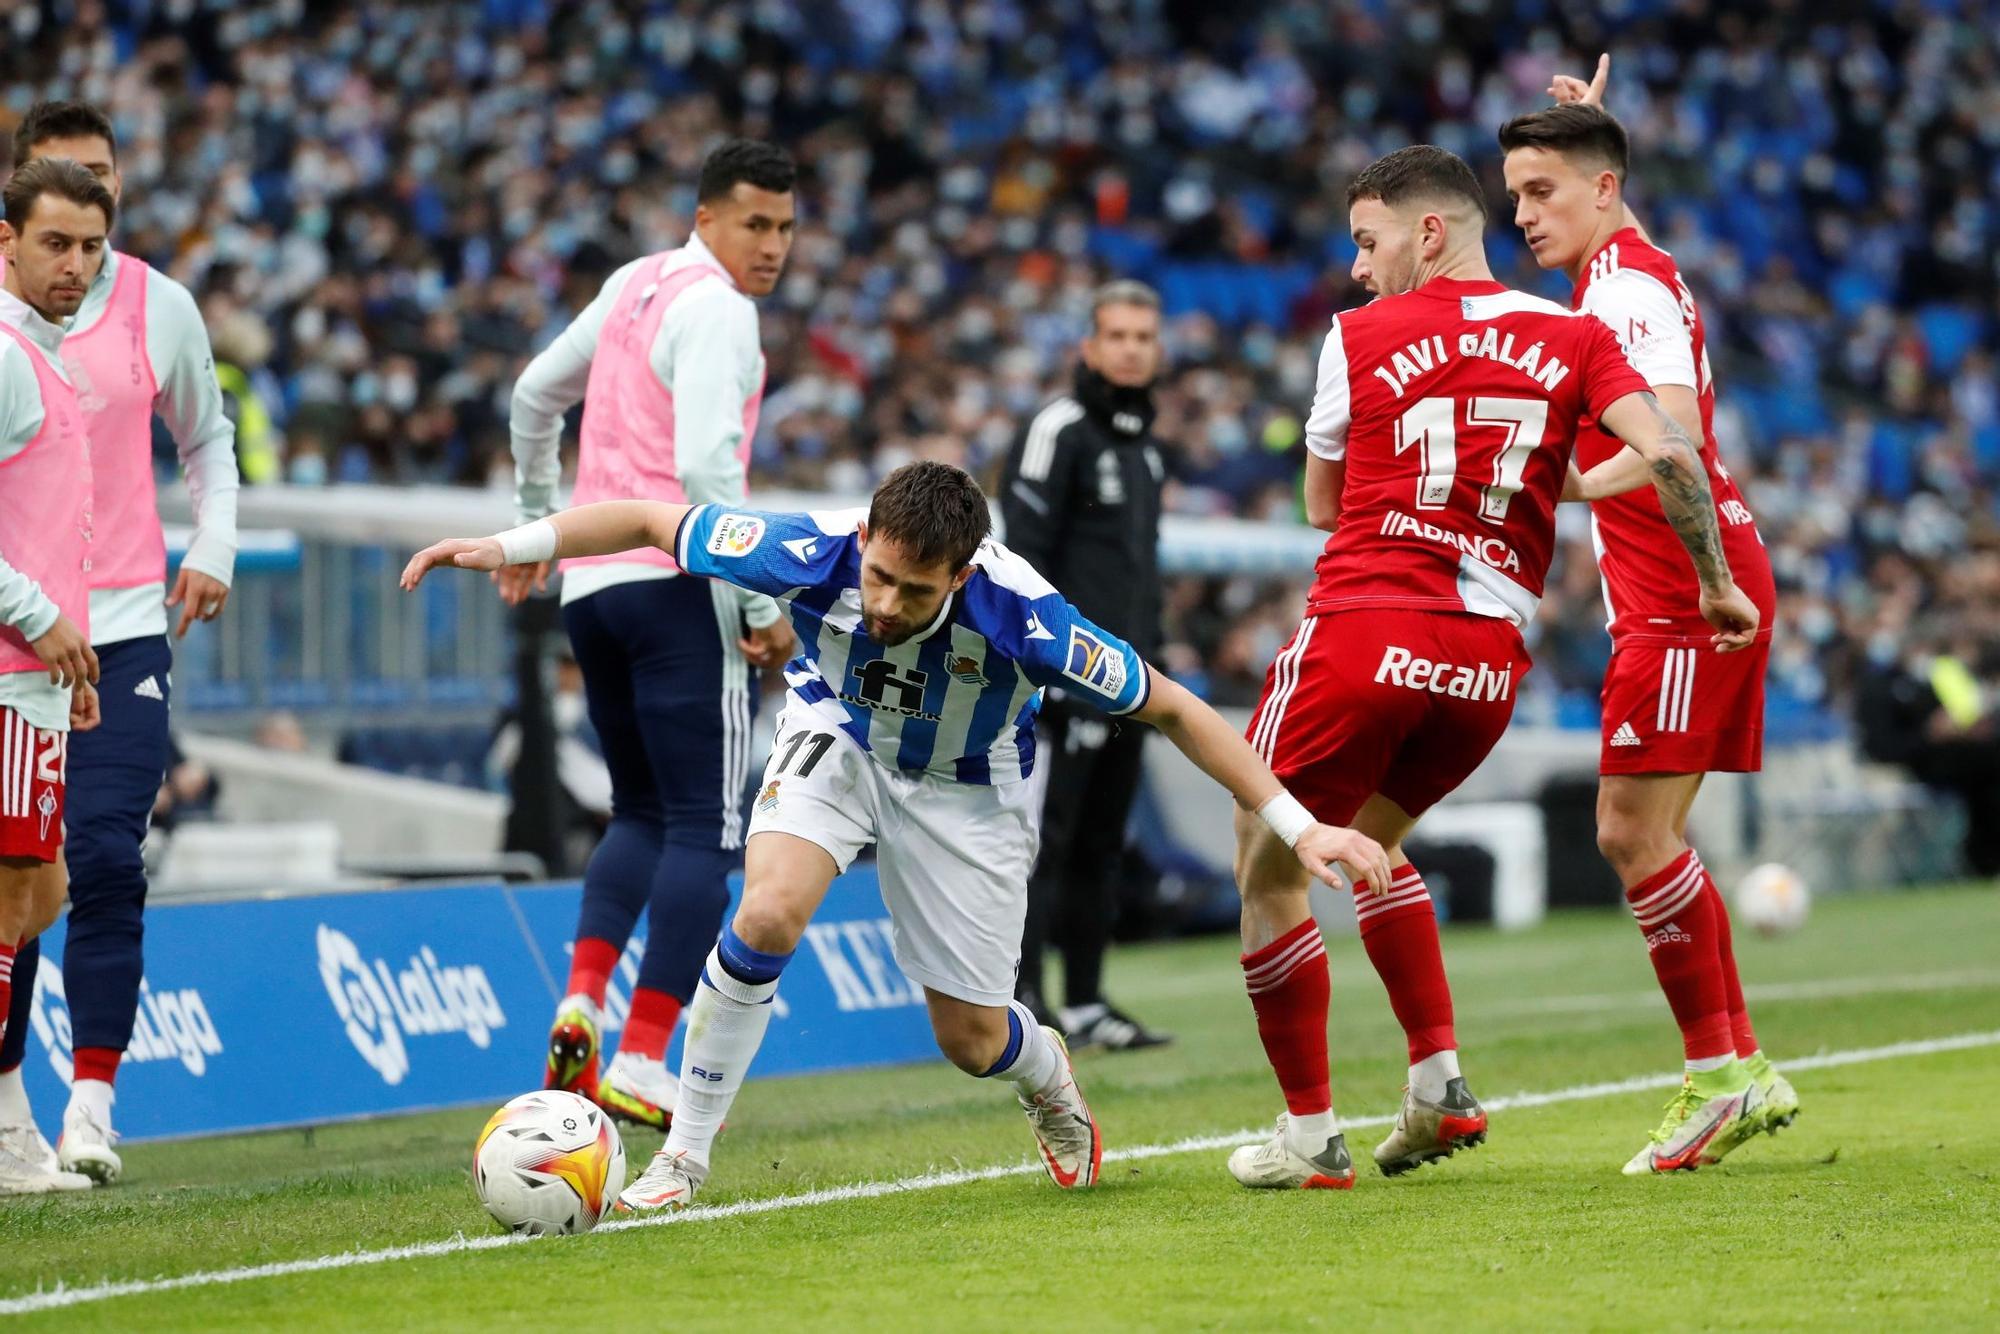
{"type": "Point", "coordinates": [1566, 89]}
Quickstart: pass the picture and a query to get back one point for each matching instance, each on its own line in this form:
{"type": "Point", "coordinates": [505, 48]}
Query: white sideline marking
{"type": "Point", "coordinates": [1831, 988]}
{"type": "Point", "coordinates": [58, 1297]}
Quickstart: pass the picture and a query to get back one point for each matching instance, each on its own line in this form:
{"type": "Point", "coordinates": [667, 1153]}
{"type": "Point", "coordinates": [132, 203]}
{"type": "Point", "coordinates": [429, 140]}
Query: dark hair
{"type": "Point", "coordinates": [934, 509]}
{"type": "Point", "coordinates": [766, 166]}
{"type": "Point", "coordinates": [1580, 133]}
{"type": "Point", "coordinates": [56, 176]}
{"type": "Point", "coordinates": [1419, 172]}
{"type": "Point", "coordinates": [60, 120]}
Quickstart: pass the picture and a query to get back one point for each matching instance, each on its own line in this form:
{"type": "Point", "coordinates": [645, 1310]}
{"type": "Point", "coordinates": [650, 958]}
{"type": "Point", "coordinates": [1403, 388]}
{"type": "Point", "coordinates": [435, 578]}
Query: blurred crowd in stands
{"type": "Point", "coordinates": [387, 207]}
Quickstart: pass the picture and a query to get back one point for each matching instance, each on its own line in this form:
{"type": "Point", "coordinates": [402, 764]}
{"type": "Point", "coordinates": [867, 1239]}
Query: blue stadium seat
{"type": "Point", "coordinates": [1950, 331]}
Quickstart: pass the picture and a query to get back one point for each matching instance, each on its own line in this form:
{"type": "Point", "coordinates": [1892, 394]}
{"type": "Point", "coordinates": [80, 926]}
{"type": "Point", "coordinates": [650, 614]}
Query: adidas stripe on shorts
{"type": "Point", "coordinates": [1682, 708]}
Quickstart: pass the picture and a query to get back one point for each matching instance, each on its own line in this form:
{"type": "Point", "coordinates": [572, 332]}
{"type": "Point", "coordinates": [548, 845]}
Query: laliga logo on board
{"type": "Point", "coordinates": [379, 1008]}
{"type": "Point", "coordinates": [171, 1025]}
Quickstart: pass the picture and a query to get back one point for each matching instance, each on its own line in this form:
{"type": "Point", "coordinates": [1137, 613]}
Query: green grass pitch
{"type": "Point", "coordinates": [1879, 1209]}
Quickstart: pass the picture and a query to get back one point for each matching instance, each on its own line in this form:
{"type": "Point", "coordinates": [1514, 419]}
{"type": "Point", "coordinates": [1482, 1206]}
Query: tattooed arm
{"type": "Point", "coordinates": [1681, 482]}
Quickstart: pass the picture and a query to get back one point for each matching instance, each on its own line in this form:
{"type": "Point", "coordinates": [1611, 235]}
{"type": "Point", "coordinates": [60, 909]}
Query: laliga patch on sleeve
{"type": "Point", "coordinates": [735, 535]}
{"type": "Point", "coordinates": [1094, 663]}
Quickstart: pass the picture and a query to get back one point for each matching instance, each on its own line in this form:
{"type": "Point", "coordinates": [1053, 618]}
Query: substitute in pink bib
{"type": "Point", "coordinates": [628, 415]}
{"type": "Point", "coordinates": [45, 508]}
{"type": "Point", "coordinates": [113, 376]}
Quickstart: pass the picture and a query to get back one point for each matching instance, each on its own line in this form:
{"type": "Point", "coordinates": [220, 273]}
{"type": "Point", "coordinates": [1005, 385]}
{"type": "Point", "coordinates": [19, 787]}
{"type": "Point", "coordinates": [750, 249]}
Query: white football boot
{"type": "Point", "coordinates": [26, 1176]}
{"type": "Point", "coordinates": [1072, 1146]}
{"type": "Point", "coordinates": [25, 1141]}
{"type": "Point", "coordinates": [1427, 1131]}
{"type": "Point", "coordinates": [85, 1146]}
{"type": "Point", "coordinates": [1277, 1165]}
{"type": "Point", "coordinates": [669, 1182]}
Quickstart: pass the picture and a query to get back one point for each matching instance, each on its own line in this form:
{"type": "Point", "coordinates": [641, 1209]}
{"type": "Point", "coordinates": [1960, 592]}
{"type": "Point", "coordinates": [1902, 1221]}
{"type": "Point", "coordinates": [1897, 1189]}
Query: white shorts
{"type": "Point", "coordinates": [954, 858]}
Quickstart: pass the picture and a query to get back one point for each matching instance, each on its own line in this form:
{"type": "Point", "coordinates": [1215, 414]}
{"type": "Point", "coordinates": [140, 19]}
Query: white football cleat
{"type": "Point", "coordinates": [669, 1182]}
{"type": "Point", "coordinates": [19, 1176]}
{"type": "Point", "coordinates": [1276, 1165]}
{"type": "Point", "coordinates": [1427, 1131]}
{"type": "Point", "coordinates": [85, 1146]}
{"type": "Point", "coordinates": [1072, 1146]}
{"type": "Point", "coordinates": [25, 1141]}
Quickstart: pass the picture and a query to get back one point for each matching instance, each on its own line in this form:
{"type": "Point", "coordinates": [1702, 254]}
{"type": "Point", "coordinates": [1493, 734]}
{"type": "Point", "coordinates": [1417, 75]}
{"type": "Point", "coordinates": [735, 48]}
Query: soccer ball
{"type": "Point", "coordinates": [547, 1162]}
{"type": "Point", "coordinates": [1774, 899]}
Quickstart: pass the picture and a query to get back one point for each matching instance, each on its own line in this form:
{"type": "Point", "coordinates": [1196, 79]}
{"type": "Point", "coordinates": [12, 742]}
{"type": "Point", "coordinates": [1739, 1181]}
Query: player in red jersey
{"type": "Point", "coordinates": [1672, 712]}
{"type": "Point", "coordinates": [1440, 441]}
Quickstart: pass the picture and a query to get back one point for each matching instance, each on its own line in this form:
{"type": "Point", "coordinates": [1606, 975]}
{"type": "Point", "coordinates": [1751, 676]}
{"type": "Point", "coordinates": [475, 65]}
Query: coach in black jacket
{"type": "Point", "coordinates": [1081, 500]}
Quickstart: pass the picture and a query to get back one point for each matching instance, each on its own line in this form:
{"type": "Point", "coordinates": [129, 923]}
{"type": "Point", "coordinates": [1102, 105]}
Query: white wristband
{"type": "Point", "coordinates": [529, 543]}
{"type": "Point", "coordinates": [1286, 817]}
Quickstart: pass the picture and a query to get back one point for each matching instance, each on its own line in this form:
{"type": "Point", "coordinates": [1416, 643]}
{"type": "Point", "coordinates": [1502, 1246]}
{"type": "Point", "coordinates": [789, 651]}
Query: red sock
{"type": "Point", "coordinates": [1681, 938]}
{"type": "Point", "coordinates": [1400, 933]}
{"type": "Point", "coordinates": [650, 1024]}
{"type": "Point", "coordinates": [97, 1063]}
{"type": "Point", "coordinates": [6, 983]}
{"type": "Point", "coordinates": [1732, 985]}
{"type": "Point", "coordinates": [1290, 990]}
{"type": "Point", "coordinates": [590, 967]}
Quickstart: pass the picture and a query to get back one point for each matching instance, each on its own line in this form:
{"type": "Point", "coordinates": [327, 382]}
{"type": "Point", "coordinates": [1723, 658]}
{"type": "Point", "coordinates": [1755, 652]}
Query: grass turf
{"type": "Point", "coordinates": [1879, 1207]}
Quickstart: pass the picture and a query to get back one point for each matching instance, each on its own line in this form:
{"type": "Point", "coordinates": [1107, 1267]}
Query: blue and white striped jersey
{"type": "Point", "coordinates": [957, 700]}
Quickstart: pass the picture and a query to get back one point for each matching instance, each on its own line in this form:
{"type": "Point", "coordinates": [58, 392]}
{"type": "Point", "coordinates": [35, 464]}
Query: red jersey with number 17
{"type": "Point", "coordinates": [1455, 407]}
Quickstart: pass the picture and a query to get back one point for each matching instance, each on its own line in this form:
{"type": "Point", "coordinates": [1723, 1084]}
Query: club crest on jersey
{"type": "Point", "coordinates": [735, 535]}
{"type": "Point", "coordinates": [965, 670]}
{"type": "Point", "coordinates": [767, 801]}
{"type": "Point", "coordinates": [1094, 663]}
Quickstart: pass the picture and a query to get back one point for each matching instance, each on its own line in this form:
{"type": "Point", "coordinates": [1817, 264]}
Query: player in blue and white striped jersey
{"type": "Point", "coordinates": [955, 696]}
{"type": "Point", "coordinates": [910, 725]}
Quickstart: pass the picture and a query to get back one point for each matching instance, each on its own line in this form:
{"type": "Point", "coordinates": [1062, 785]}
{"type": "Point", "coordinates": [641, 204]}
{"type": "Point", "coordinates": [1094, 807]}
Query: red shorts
{"type": "Point", "coordinates": [1404, 703]}
{"type": "Point", "coordinates": [1684, 709]}
{"type": "Point", "coordinates": [33, 765]}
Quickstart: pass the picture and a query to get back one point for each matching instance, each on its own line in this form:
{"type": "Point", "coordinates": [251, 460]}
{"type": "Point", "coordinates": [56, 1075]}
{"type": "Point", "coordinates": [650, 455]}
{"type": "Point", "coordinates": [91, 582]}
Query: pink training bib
{"type": "Point", "coordinates": [113, 375]}
{"type": "Point", "coordinates": [45, 517]}
{"type": "Point", "coordinates": [627, 448]}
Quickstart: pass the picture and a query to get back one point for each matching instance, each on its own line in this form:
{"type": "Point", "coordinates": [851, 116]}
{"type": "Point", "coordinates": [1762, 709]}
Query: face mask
{"type": "Point", "coordinates": [307, 469]}
{"type": "Point", "coordinates": [399, 391]}
{"type": "Point", "coordinates": [569, 710]}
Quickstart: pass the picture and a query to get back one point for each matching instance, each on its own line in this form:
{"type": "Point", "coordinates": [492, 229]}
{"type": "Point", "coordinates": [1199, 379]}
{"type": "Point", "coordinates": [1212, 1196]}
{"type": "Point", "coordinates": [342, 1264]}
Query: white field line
{"type": "Point", "coordinates": [1769, 993]}
{"type": "Point", "coordinates": [60, 1296]}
